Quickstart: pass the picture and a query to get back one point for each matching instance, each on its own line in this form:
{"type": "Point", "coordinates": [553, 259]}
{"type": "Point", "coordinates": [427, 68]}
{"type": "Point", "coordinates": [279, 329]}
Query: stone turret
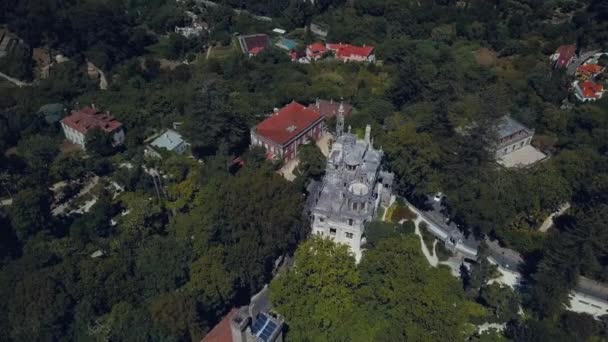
{"type": "Point", "coordinates": [340, 121]}
{"type": "Point", "coordinates": [368, 133]}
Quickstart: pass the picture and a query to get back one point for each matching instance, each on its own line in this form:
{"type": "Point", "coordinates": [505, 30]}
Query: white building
{"type": "Point", "coordinates": [351, 191]}
{"type": "Point", "coordinates": [76, 126]}
{"type": "Point", "coordinates": [171, 141]}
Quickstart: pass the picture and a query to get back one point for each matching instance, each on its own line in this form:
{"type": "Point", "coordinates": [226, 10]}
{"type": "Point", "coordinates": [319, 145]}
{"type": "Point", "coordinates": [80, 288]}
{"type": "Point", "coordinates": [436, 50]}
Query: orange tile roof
{"type": "Point", "coordinates": [287, 123]}
{"type": "Point", "coordinates": [347, 50]}
{"type": "Point", "coordinates": [317, 47]}
{"type": "Point", "coordinates": [591, 89]}
{"type": "Point", "coordinates": [590, 69]}
{"type": "Point", "coordinates": [221, 332]}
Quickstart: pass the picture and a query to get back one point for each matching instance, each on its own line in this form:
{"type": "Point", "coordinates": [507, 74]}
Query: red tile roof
{"type": "Point", "coordinates": [565, 52]}
{"type": "Point", "coordinates": [221, 332]}
{"type": "Point", "coordinates": [287, 123]}
{"type": "Point", "coordinates": [329, 108]}
{"type": "Point", "coordinates": [89, 118]}
{"type": "Point", "coordinates": [591, 89]}
{"type": "Point", "coordinates": [347, 50]}
{"type": "Point", "coordinates": [317, 48]}
{"type": "Point", "coordinates": [256, 43]}
{"type": "Point", "coordinates": [590, 69]}
{"type": "Point", "coordinates": [255, 50]}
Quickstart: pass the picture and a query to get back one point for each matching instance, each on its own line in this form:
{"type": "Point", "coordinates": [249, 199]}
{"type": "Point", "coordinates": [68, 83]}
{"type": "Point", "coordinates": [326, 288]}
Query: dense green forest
{"type": "Point", "coordinates": [173, 264]}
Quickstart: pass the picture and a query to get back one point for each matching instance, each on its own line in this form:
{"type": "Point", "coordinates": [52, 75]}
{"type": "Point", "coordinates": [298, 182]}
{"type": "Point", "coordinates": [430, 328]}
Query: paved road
{"type": "Point", "coordinates": [60, 209]}
{"type": "Point", "coordinates": [510, 260]}
{"type": "Point", "coordinates": [14, 81]}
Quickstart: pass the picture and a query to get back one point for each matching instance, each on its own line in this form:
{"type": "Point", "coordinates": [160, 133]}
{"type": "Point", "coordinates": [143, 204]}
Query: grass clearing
{"type": "Point", "coordinates": [486, 57]}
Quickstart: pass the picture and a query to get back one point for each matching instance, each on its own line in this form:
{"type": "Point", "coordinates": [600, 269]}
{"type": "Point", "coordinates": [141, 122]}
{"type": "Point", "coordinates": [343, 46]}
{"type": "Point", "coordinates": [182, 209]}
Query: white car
{"type": "Point", "coordinates": [438, 196]}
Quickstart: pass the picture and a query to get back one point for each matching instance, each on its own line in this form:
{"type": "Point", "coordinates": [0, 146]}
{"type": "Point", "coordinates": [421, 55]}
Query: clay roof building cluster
{"type": "Point", "coordinates": [588, 85]}
{"type": "Point", "coordinates": [343, 52]}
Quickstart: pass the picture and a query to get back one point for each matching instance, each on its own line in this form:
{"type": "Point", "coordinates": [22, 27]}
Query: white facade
{"type": "Point", "coordinates": [358, 58]}
{"type": "Point", "coordinates": [74, 136]}
{"type": "Point", "coordinates": [504, 150]}
{"type": "Point", "coordinates": [78, 138]}
{"type": "Point", "coordinates": [351, 191]}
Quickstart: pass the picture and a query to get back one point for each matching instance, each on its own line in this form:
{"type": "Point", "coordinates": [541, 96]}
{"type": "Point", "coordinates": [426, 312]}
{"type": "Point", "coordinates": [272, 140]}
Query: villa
{"type": "Point", "coordinates": [513, 148]}
{"type": "Point", "coordinates": [351, 190]}
{"type": "Point", "coordinates": [80, 122]}
{"type": "Point", "coordinates": [286, 129]}
{"type": "Point", "coordinates": [588, 90]}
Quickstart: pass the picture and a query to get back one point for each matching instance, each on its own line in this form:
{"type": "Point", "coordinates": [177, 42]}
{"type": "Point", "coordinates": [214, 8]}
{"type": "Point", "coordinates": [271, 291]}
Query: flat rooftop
{"type": "Point", "coordinates": [525, 156]}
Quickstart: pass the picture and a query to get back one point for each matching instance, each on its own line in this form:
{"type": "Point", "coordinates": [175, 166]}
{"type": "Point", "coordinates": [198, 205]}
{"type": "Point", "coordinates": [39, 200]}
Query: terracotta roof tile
{"type": "Point", "coordinates": [591, 89]}
{"type": "Point", "coordinates": [590, 68]}
{"type": "Point", "coordinates": [89, 118]}
{"type": "Point", "coordinates": [221, 332]}
{"type": "Point", "coordinates": [347, 50]}
{"type": "Point", "coordinates": [287, 123]}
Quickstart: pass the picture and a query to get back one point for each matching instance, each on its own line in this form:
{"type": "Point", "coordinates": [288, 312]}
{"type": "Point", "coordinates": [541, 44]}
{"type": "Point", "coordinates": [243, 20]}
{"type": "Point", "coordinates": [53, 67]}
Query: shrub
{"type": "Point", "coordinates": [442, 252]}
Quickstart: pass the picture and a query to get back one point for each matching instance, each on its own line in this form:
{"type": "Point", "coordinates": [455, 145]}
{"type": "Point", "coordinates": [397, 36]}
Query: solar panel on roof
{"type": "Point", "coordinates": [271, 325]}
{"type": "Point", "coordinates": [268, 331]}
{"type": "Point", "coordinates": [259, 323]}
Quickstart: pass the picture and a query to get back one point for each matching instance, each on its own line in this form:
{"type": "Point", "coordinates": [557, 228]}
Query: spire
{"type": "Point", "coordinates": [368, 133]}
{"type": "Point", "coordinates": [340, 121]}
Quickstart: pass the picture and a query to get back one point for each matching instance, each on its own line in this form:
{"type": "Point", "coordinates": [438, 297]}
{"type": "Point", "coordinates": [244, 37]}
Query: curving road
{"type": "Point", "coordinates": [589, 296]}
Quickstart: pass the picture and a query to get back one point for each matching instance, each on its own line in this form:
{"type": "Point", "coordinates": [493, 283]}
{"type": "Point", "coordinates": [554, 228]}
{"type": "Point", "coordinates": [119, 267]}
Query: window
{"type": "Point", "coordinates": [349, 235]}
{"type": "Point", "coordinates": [350, 222]}
{"type": "Point", "coordinates": [321, 219]}
{"type": "Point", "coordinates": [332, 231]}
